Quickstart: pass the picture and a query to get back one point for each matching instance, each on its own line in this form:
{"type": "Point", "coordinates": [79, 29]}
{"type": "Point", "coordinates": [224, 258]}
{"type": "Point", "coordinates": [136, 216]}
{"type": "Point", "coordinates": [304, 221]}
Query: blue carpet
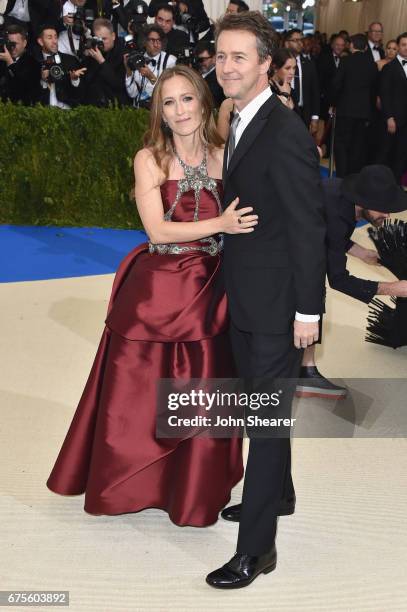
{"type": "Point", "coordinates": [30, 253]}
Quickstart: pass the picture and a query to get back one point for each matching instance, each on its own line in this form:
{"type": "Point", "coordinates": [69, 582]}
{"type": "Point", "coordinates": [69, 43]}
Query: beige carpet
{"type": "Point", "coordinates": [343, 550]}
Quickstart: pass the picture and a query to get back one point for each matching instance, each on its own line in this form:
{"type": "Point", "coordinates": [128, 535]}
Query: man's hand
{"type": "Point", "coordinates": [97, 55]}
{"type": "Point", "coordinates": [44, 75]}
{"type": "Point", "coordinates": [6, 57]}
{"type": "Point", "coordinates": [369, 256]}
{"type": "Point", "coordinates": [391, 126]}
{"type": "Point", "coordinates": [305, 334]}
{"type": "Point", "coordinates": [77, 74]}
{"type": "Point", "coordinates": [146, 72]}
{"type": "Point", "coordinates": [396, 288]}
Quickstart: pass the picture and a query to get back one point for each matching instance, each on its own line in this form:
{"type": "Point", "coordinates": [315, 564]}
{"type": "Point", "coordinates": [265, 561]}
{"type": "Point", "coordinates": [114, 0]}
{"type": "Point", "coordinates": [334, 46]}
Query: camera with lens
{"type": "Point", "coordinates": [5, 43]}
{"type": "Point", "coordinates": [135, 59]}
{"type": "Point", "coordinates": [94, 42]}
{"type": "Point", "coordinates": [187, 57]}
{"type": "Point", "coordinates": [78, 26]}
{"type": "Point", "coordinates": [53, 64]}
{"type": "Point", "coordinates": [138, 13]}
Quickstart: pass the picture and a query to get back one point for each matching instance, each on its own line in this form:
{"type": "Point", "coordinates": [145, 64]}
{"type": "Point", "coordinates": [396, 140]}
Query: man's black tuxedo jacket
{"type": "Point", "coordinates": [341, 222]}
{"type": "Point", "coordinates": [369, 53]}
{"type": "Point", "coordinates": [105, 83]}
{"type": "Point", "coordinates": [310, 89]}
{"type": "Point", "coordinates": [393, 92]}
{"type": "Point", "coordinates": [20, 79]}
{"type": "Point", "coordinates": [41, 11]}
{"type": "Point", "coordinates": [280, 267]}
{"type": "Point", "coordinates": [64, 89]}
{"type": "Point", "coordinates": [354, 86]}
{"type": "Point", "coordinates": [326, 69]}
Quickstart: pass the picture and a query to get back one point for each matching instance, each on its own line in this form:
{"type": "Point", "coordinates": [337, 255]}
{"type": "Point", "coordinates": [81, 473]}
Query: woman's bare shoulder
{"type": "Point", "coordinates": [146, 164]}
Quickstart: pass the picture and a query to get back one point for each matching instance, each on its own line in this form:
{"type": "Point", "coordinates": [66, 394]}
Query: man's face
{"type": "Point", "coordinates": [20, 44]}
{"type": "Point", "coordinates": [107, 37]}
{"type": "Point", "coordinates": [232, 8]}
{"type": "Point", "coordinates": [374, 217]}
{"type": "Point", "coordinates": [307, 45]}
{"type": "Point", "coordinates": [49, 41]}
{"type": "Point", "coordinates": [153, 44]}
{"type": "Point", "coordinates": [237, 66]}
{"type": "Point", "coordinates": [206, 61]}
{"type": "Point", "coordinates": [338, 46]}
{"type": "Point", "coordinates": [295, 42]}
{"type": "Point", "coordinates": [375, 33]}
{"type": "Point", "coordinates": [402, 48]}
{"type": "Point", "coordinates": [165, 20]}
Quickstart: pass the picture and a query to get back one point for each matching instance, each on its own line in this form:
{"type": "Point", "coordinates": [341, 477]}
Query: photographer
{"type": "Point", "coordinates": [177, 40]}
{"type": "Point", "coordinates": [60, 73]}
{"type": "Point", "coordinates": [30, 14]}
{"type": "Point", "coordinates": [104, 80]}
{"type": "Point", "coordinates": [143, 72]}
{"type": "Point", "coordinates": [19, 72]}
{"type": "Point", "coordinates": [131, 15]}
{"type": "Point", "coordinates": [205, 53]}
{"type": "Point", "coordinates": [70, 39]}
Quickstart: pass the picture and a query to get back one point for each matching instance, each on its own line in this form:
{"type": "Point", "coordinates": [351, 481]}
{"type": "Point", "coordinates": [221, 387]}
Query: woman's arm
{"type": "Point", "coordinates": [150, 207]}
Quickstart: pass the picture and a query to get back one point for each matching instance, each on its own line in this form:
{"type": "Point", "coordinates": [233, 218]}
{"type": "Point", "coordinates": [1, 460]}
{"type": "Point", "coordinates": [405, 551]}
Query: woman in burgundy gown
{"type": "Point", "coordinates": [167, 318]}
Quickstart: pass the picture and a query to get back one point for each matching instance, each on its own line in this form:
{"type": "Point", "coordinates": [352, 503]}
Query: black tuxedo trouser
{"type": "Point", "coordinates": [268, 470]}
{"type": "Point", "coordinates": [349, 147]}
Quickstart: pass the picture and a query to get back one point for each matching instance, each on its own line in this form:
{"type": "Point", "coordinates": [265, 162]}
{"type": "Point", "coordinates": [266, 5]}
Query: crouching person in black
{"type": "Point", "coordinates": [60, 80]}
{"type": "Point", "coordinates": [19, 72]}
{"type": "Point", "coordinates": [104, 81]}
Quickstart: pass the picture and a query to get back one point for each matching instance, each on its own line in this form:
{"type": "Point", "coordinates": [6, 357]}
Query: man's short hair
{"type": "Point", "coordinates": [289, 33]}
{"type": "Point", "coordinates": [166, 7]}
{"type": "Point", "coordinates": [45, 26]}
{"type": "Point", "coordinates": [101, 22]}
{"type": "Point", "coordinates": [153, 27]}
{"type": "Point", "coordinates": [398, 39]}
{"type": "Point", "coordinates": [253, 22]}
{"type": "Point", "coordinates": [359, 41]}
{"type": "Point", "coordinates": [17, 29]}
{"type": "Point", "coordinates": [241, 6]}
{"type": "Point", "coordinates": [205, 45]}
{"type": "Point", "coordinates": [375, 23]}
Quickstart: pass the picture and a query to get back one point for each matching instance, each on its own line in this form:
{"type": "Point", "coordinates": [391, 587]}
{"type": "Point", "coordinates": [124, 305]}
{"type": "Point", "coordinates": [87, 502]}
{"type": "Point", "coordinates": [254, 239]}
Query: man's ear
{"type": "Point", "coordinates": [265, 66]}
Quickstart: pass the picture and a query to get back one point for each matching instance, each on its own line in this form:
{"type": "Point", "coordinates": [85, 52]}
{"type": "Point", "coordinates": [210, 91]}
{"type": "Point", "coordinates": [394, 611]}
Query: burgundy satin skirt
{"type": "Point", "coordinates": [111, 453]}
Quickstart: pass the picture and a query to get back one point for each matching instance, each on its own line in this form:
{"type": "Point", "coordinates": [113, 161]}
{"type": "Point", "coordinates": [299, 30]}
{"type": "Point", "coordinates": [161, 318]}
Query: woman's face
{"type": "Point", "coordinates": [391, 50]}
{"type": "Point", "coordinates": [286, 73]}
{"type": "Point", "coordinates": [181, 108]}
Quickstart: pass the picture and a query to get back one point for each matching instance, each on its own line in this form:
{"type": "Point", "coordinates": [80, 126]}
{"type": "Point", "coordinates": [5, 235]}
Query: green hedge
{"type": "Point", "coordinates": [72, 168]}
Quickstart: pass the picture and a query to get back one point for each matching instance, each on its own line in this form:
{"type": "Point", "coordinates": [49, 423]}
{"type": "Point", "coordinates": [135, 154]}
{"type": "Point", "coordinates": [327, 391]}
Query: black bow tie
{"type": "Point", "coordinates": [376, 48]}
{"type": "Point", "coordinates": [153, 62]}
{"type": "Point", "coordinates": [404, 62]}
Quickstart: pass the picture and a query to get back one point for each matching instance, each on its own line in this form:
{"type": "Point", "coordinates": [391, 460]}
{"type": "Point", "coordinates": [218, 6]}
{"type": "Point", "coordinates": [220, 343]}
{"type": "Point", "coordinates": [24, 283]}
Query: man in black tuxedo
{"type": "Point", "coordinates": [19, 72]}
{"type": "Point", "coordinates": [305, 87]}
{"type": "Point", "coordinates": [327, 65]}
{"type": "Point", "coordinates": [177, 40]}
{"type": "Point", "coordinates": [205, 53]}
{"type": "Point", "coordinates": [375, 41]}
{"type": "Point", "coordinates": [393, 93]}
{"type": "Point", "coordinates": [370, 195]}
{"type": "Point", "coordinates": [274, 274]}
{"type": "Point", "coordinates": [63, 92]}
{"type": "Point", "coordinates": [353, 94]}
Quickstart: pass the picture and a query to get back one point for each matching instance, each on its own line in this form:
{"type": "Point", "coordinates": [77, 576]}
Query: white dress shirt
{"type": "Point", "coordinates": [401, 60]}
{"type": "Point", "coordinates": [53, 100]}
{"type": "Point", "coordinates": [246, 115]}
{"type": "Point", "coordinates": [20, 11]}
{"type": "Point", "coordinates": [376, 54]}
{"type": "Point", "coordinates": [140, 87]}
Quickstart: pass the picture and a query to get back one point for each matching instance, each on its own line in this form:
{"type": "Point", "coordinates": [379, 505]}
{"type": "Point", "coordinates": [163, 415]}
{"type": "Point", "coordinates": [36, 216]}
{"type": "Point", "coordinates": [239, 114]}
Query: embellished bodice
{"type": "Point", "coordinates": [195, 197]}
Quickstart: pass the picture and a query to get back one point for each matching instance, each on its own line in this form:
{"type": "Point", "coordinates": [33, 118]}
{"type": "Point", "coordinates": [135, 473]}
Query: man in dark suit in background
{"type": "Point", "coordinates": [393, 94]}
{"type": "Point", "coordinates": [327, 65]}
{"type": "Point", "coordinates": [305, 87]}
{"type": "Point", "coordinates": [205, 53]}
{"type": "Point", "coordinates": [375, 41]}
{"type": "Point", "coordinates": [352, 95]}
{"type": "Point", "coordinates": [31, 14]}
{"type": "Point", "coordinates": [274, 275]}
{"type": "Point", "coordinates": [374, 52]}
{"type": "Point", "coordinates": [19, 72]}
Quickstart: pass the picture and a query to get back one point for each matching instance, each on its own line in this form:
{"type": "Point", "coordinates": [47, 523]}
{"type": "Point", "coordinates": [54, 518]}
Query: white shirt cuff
{"type": "Point", "coordinates": [306, 318]}
{"type": "Point", "coordinates": [315, 118]}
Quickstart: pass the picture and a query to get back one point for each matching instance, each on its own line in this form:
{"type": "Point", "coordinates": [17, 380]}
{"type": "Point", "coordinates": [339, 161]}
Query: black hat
{"type": "Point", "coordinates": [375, 188]}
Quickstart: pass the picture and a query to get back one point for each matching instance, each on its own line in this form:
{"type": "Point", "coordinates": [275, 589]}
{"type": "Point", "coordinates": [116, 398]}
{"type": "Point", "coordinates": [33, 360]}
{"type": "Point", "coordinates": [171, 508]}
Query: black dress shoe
{"type": "Point", "coordinates": [241, 570]}
{"type": "Point", "coordinates": [232, 513]}
{"type": "Point", "coordinates": [313, 384]}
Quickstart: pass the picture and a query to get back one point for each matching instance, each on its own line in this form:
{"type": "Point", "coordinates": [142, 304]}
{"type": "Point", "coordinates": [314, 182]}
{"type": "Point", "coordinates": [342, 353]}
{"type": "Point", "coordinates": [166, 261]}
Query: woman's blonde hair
{"type": "Point", "coordinates": [158, 138]}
